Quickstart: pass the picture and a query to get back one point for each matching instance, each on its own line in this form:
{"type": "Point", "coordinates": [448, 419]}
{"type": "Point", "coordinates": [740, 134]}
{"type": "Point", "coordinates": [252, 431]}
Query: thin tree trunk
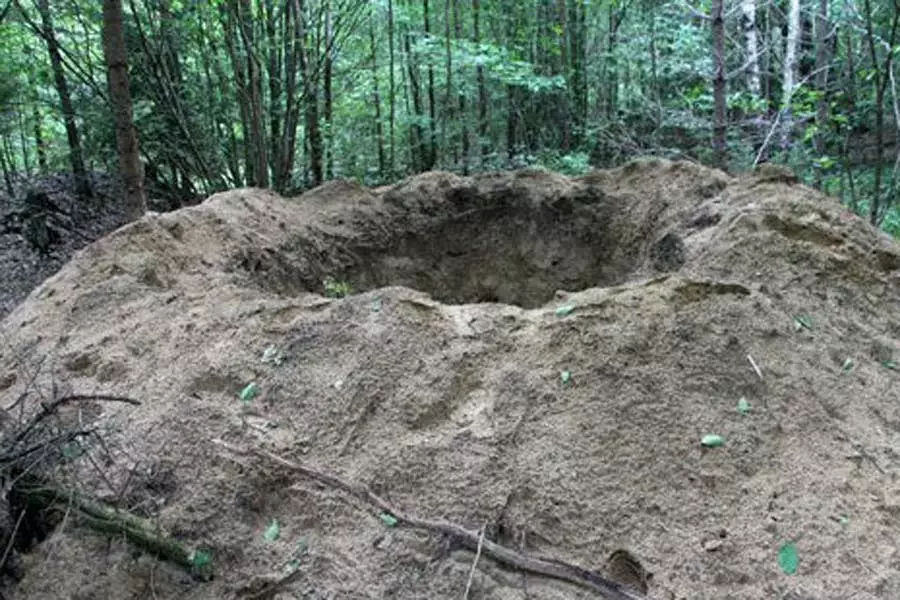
{"type": "Point", "coordinates": [82, 183]}
{"type": "Point", "coordinates": [563, 118]}
{"type": "Point", "coordinates": [240, 82]}
{"type": "Point", "coordinates": [447, 140]}
{"type": "Point", "coordinates": [880, 79]}
{"type": "Point", "coordinates": [254, 81]}
{"type": "Point", "coordinates": [23, 142]}
{"type": "Point", "coordinates": [789, 75]}
{"type": "Point", "coordinates": [7, 171]}
{"type": "Point", "coordinates": [512, 107]}
{"type": "Point", "coordinates": [461, 97]}
{"type": "Point", "coordinates": [432, 124]}
{"type": "Point", "coordinates": [275, 79]}
{"type": "Point", "coordinates": [719, 126]}
{"type": "Point", "coordinates": [392, 89]}
{"type": "Point", "coordinates": [822, 60]}
{"type": "Point", "coordinates": [418, 154]}
{"type": "Point", "coordinates": [612, 71]}
{"type": "Point", "coordinates": [579, 102]}
{"type": "Point", "coordinates": [287, 144]}
{"type": "Point", "coordinates": [116, 56]}
{"type": "Point", "coordinates": [379, 128]}
{"type": "Point", "coordinates": [39, 138]}
{"type": "Point", "coordinates": [311, 96]}
{"type": "Point", "coordinates": [751, 44]}
{"type": "Point", "coordinates": [329, 109]}
{"type": "Point", "coordinates": [484, 143]}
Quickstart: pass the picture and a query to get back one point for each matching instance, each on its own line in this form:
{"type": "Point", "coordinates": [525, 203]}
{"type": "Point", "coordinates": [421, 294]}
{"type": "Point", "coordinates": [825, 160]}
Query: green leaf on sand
{"type": "Point", "coordinates": [788, 559]}
{"type": "Point", "coordinates": [249, 393]}
{"type": "Point", "coordinates": [847, 366]}
{"type": "Point", "coordinates": [273, 531]}
{"type": "Point", "coordinates": [712, 441]}
{"type": "Point", "coordinates": [200, 558]}
{"type": "Point", "coordinates": [743, 406]}
{"type": "Point", "coordinates": [802, 322]}
{"type": "Point", "coordinates": [566, 377]}
{"type": "Point", "coordinates": [389, 519]}
{"type": "Point", "coordinates": [890, 364]}
{"type": "Point", "coordinates": [563, 311]}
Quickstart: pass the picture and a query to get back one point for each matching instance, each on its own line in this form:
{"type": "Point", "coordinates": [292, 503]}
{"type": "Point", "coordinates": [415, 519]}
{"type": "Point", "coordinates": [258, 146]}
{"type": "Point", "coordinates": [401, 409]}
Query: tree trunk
{"type": "Point", "coordinates": [240, 82]}
{"type": "Point", "coordinates": [276, 80]}
{"type": "Point", "coordinates": [447, 140]}
{"type": "Point", "coordinates": [822, 60]}
{"type": "Point", "coordinates": [7, 172]}
{"type": "Point", "coordinates": [432, 124]}
{"type": "Point", "coordinates": [789, 74]}
{"type": "Point", "coordinates": [512, 108]}
{"type": "Point", "coordinates": [612, 71]}
{"type": "Point", "coordinates": [751, 44]}
{"type": "Point", "coordinates": [82, 183]}
{"type": "Point", "coordinates": [116, 56]}
{"type": "Point", "coordinates": [579, 101]}
{"type": "Point", "coordinates": [461, 97]}
{"type": "Point", "coordinates": [418, 154]}
{"type": "Point", "coordinates": [254, 81]}
{"type": "Point", "coordinates": [314, 150]}
{"type": "Point", "coordinates": [483, 142]}
{"type": "Point", "coordinates": [880, 79]}
{"type": "Point", "coordinates": [329, 108]}
{"type": "Point", "coordinates": [379, 128]}
{"type": "Point", "coordinates": [39, 138]}
{"type": "Point", "coordinates": [720, 148]}
{"type": "Point", "coordinates": [23, 142]}
{"type": "Point", "coordinates": [392, 89]}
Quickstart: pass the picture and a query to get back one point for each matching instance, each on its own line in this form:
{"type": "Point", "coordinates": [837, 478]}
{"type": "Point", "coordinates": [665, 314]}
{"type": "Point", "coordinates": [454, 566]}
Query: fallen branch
{"type": "Point", "coordinates": [546, 567]}
{"type": "Point", "coordinates": [106, 519]}
{"type": "Point", "coordinates": [475, 563]}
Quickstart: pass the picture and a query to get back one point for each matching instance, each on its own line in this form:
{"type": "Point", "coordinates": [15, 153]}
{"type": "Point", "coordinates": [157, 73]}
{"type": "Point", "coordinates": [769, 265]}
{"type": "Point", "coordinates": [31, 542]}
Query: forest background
{"type": "Point", "coordinates": [288, 94]}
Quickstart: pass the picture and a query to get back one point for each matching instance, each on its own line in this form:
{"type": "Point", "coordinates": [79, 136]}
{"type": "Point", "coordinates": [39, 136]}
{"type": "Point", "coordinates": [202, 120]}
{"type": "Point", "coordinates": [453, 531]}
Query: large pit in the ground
{"type": "Point", "coordinates": [513, 239]}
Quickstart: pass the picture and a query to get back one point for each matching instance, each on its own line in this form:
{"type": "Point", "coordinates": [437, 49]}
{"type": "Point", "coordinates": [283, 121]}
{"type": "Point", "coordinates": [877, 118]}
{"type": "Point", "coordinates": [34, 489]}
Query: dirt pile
{"type": "Point", "coordinates": [537, 355]}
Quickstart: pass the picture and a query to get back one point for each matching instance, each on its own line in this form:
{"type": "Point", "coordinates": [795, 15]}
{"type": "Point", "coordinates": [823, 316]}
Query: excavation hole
{"type": "Point", "coordinates": [509, 246]}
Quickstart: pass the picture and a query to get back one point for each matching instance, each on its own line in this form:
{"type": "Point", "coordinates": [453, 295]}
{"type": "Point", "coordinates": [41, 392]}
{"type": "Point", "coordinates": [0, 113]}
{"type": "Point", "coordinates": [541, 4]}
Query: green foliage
{"type": "Point", "coordinates": [335, 288]}
{"type": "Point", "coordinates": [561, 92]}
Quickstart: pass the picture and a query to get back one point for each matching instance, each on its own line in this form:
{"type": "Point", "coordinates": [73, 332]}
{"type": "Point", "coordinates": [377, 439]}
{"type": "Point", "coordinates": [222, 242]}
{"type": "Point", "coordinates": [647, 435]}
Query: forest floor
{"type": "Point", "coordinates": [525, 354]}
{"type": "Point", "coordinates": [77, 223]}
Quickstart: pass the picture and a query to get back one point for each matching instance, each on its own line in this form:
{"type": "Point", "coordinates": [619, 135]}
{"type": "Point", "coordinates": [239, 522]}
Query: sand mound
{"type": "Point", "coordinates": [439, 384]}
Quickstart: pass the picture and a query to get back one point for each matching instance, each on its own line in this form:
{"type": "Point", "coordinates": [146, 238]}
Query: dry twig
{"type": "Point", "coordinates": [475, 563]}
{"type": "Point", "coordinates": [546, 567]}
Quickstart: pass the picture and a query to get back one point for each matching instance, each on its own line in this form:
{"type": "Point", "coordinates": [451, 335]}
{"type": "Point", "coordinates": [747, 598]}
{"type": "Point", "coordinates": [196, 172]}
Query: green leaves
{"type": "Point", "coordinates": [200, 559]}
{"type": "Point", "coordinates": [743, 406]}
{"type": "Point", "coordinates": [388, 519]}
{"type": "Point", "coordinates": [565, 310]}
{"type": "Point", "coordinates": [249, 393]}
{"type": "Point", "coordinates": [713, 441]}
{"type": "Point", "coordinates": [803, 321]}
{"type": "Point", "coordinates": [273, 531]}
{"type": "Point", "coordinates": [566, 377]}
{"type": "Point", "coordinates": [788, 559]}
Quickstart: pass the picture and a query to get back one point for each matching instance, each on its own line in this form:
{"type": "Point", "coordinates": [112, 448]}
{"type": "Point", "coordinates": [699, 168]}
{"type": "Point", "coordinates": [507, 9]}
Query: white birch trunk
{"type": "Point", "coordinates": [748, 23]}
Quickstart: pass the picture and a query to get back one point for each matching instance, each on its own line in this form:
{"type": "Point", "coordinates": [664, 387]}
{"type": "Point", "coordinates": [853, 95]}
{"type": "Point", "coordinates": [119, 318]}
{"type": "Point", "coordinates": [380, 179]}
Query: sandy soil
{"type": "Point", "coordinates": [534, 354]}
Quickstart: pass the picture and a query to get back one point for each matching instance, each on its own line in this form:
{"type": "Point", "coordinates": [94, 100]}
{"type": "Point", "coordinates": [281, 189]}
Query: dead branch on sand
{"type": "Point", "coordinates": [30, 451]}
{"type": "Point", "coordinates": [109, 520]}
{"type": "Point", "coordinates": [546, 567]}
